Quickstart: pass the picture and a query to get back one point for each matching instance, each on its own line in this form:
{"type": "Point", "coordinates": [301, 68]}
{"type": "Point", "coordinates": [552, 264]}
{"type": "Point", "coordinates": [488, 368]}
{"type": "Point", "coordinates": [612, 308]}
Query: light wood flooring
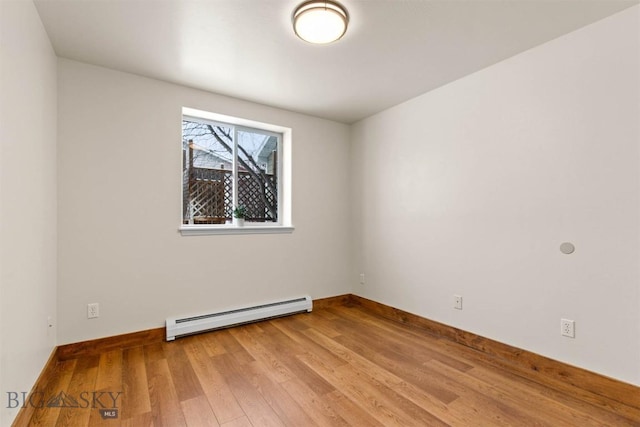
{"type": "Point", "coordinates": [337, 366]}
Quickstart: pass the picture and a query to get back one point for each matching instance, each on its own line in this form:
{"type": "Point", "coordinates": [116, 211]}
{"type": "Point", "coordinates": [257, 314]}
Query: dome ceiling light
{"type": "Point", "coordinates": [320, 22]}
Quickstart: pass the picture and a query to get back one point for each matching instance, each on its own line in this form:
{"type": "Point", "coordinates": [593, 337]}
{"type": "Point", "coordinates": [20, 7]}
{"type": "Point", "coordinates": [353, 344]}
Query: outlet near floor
{"type": "Point", "coordinates": [568, 328]}
{"type": "Point", "coordinates": [93, 310]}
{"type": "Point", "coordinates": [457, 302]}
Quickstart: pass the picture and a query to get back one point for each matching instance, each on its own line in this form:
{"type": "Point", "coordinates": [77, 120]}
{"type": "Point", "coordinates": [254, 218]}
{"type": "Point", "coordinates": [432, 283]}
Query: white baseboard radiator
{"type": "Point", "coordinates": [179, 327]}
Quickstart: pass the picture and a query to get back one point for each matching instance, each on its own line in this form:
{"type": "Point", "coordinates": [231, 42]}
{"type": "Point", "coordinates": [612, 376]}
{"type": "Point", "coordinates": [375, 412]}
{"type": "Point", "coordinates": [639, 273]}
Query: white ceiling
{"type": "Point", "coordinates": [393, 50]}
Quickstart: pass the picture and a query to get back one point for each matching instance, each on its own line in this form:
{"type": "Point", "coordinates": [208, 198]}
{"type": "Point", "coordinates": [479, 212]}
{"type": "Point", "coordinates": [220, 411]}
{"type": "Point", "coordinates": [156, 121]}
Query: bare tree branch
{"type": "Point", "coordinates": [255, 172]}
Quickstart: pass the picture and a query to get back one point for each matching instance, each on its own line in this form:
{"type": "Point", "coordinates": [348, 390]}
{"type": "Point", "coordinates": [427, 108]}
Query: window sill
{"type": "Point", "coordinates": [204, 230]}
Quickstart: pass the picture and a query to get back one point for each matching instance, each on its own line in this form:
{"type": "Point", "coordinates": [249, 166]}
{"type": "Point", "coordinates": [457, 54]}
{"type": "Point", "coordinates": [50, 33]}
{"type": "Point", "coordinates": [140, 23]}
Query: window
{"type": "Point", "coordinates": [228, 163]}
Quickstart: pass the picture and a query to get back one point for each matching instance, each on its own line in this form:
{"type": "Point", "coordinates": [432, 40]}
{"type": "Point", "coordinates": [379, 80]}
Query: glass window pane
{"type": "Point", "coordinates": [258, 175]}
{"type": "Point", "coordinates": [207, 172]}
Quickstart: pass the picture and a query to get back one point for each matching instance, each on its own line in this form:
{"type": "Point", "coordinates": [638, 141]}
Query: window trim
{"type": "Point", "coordinates": [209, 229]}
{"type": "Point", "coordinates": [284, 224]}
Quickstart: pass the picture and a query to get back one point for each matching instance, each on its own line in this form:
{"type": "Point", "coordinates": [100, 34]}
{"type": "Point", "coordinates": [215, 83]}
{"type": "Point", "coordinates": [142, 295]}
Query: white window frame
{"type": "Point", "coordinates": [284, 224]}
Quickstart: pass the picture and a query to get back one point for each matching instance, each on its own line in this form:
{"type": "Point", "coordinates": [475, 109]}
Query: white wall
{"type": "Point", "coordinates": [27, 199]}
{"type": "Point", "coordinates": [470, 189]}
{"type": "Point", "coordinates": [120, 208]}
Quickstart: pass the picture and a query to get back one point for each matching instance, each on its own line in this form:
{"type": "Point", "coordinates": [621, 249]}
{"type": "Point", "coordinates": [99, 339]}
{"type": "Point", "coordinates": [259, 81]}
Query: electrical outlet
{"type": "Point", "coordinates": [362, 278]}
{"type": "Point", "coordinates": [568, 328]}
{"type": "Point", "coordinates": [93, 310]}
{"type": "Point", "coordinates": [457, 302]}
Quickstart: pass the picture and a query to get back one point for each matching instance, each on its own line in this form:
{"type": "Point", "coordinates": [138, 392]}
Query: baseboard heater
{"type": "Point", "coordinates": [179, 327]}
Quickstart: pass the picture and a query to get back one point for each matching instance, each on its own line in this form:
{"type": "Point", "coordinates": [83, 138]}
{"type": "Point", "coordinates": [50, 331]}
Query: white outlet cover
{"type": "Point", "coordinates": [93, 310]}
{"type": "Point", "coordinates": [567, 328]}
{"type": "Point", "coordinates": [457, 302]}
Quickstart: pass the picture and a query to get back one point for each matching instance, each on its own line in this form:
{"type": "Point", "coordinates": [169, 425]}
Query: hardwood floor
{"type": "Point", "coordinates": [337, 366]}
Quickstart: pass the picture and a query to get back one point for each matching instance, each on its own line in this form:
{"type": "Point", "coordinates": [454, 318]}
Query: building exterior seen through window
{"type": "Point", "coordinates": [227, 166]}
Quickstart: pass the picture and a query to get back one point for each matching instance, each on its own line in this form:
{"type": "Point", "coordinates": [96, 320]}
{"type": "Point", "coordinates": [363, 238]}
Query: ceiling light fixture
{"type": "Point", "coordinates": [320, 22]}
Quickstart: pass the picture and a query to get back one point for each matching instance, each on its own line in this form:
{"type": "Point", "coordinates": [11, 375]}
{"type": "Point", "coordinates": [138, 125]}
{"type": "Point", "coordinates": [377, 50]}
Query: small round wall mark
{"type": "Point", "coordinates": [567, 248]}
